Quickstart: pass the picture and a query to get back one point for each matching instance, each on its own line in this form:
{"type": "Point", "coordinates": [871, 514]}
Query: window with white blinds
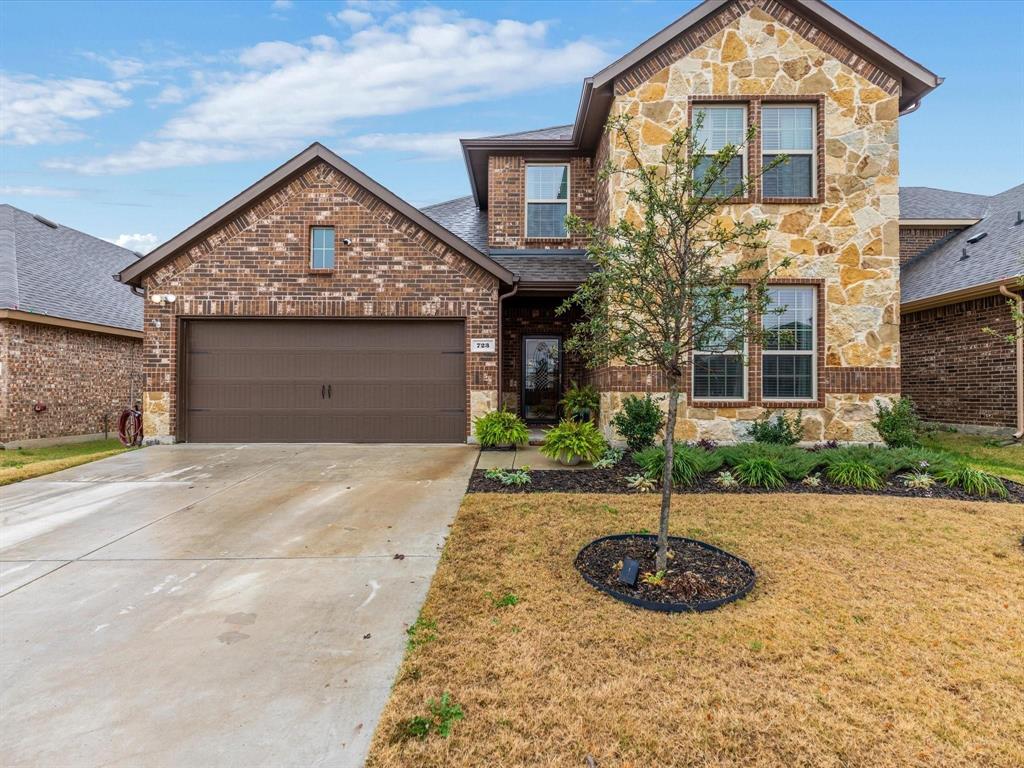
{"type": "Point", "coordinates": [790, 343]}
{"type": "Point", "coordinates": [791, 131]}
{"type": "Point", "coordinates": [722, 125]}
{"type": "Point", "coordinates": [547, 200]}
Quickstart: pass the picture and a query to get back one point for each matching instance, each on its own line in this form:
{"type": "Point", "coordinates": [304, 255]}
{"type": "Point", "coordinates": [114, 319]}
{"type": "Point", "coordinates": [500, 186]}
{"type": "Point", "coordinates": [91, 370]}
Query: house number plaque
{"type": "Point", "coordinates": [481, 345]}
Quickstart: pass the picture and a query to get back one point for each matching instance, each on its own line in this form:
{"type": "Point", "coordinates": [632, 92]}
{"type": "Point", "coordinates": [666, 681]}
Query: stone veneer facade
{"type": "Point", "coordinates": [257, 265]}
{"type": "Point", "coordinates": [845, 241]}
{"type": "Point", "coordinates": [83, 378]}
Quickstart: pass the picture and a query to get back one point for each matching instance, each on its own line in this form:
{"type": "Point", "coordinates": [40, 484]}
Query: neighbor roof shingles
{"type": "Point", "coordinates": [61, 272]}
{"type": "Point", "coordinates": [995, 258]}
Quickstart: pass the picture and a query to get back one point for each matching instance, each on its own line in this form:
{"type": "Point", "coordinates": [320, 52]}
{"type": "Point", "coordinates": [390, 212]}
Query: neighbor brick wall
{"type": "Point", "coordinates": [954, 371]}
{"type": "Point", "coordinates": [915, 240]}
{"type": "Point", "coordinates": [80, 376]}
{"type": "Point", "coordinates": [534, 317]}
{"type": "Point", "coordinates": [506, 204]}
{"type": "Point", "coordinates": [257, 265]}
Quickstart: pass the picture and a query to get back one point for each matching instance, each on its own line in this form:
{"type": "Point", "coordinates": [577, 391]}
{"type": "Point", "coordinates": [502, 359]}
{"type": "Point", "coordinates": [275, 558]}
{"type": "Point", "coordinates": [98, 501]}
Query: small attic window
{"type": "Point", "coordinates": [43, 220]}
{"type": "Point", "coordinates": [977, 238]}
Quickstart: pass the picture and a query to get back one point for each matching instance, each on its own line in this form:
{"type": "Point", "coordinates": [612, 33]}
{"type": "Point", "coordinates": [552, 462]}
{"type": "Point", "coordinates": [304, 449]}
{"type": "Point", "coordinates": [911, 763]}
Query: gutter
{"type": "Point", "coordinates": [1019, 333]}
{"type": "Point", "coordinates": [501, 312]}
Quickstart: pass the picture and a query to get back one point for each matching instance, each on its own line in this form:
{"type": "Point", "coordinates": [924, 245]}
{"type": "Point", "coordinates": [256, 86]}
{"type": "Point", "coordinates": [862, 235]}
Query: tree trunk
{"type": "Point", "coordinates": [661, 562]}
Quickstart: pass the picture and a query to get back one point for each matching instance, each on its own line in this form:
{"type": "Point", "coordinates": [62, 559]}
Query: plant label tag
{"type": "Point", "coordinates": [630, 569]}
{"type": "Point", "coordinates": [481, 345]}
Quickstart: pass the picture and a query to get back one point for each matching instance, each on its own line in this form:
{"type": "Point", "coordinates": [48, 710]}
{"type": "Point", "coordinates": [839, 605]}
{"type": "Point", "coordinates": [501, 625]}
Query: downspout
{"type": "Point", "coordinates": [1019, 333]}
{"type": "Point", "coordinates": [501, 312]}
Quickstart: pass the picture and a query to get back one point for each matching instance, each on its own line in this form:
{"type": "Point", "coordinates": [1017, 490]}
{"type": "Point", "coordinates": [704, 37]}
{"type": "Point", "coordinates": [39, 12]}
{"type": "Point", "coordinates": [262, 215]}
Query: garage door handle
{"type": "Point", "coordinates": [321, 391]}
{"type": "Point", "coordinates": [329, 391]}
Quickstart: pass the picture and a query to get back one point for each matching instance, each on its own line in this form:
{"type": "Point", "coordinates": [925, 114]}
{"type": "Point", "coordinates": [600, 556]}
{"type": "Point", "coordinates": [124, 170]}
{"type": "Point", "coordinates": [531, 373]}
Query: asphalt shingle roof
{"type": "Point", "coordinates": [931, 203]}
{"type": "Point", "coordinates": [999, 255]}
{"type": "Point", "coordinates": [61, 272]}
{"type": "Point", "coordinates": [540, 134]}
{"type": "Point", "coordinates": [463, 219]}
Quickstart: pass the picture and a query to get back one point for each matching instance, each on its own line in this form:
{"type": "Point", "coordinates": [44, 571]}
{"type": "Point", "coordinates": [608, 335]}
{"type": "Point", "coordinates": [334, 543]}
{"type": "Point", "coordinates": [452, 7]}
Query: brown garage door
{"type": "Point", "coordinates": [294, 381]}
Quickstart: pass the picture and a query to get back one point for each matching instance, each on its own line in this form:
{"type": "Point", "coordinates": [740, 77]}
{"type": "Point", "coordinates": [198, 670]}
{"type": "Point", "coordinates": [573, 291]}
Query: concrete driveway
{"type": "Point", "coordinates": [215, 605]}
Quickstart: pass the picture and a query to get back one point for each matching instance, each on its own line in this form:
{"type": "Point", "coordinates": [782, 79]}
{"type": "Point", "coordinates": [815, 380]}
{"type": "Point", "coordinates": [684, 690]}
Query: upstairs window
{"type": "Point", "coordinates": [547, 200]}
{"type": "Point", "coordinates": [790, 131]}
{"type": "Point", "coordinates": [790, 337]}
{"type": "Point", "coordinates": [721, 126]}
{"type": "Point", "coordinates": [321, 248]}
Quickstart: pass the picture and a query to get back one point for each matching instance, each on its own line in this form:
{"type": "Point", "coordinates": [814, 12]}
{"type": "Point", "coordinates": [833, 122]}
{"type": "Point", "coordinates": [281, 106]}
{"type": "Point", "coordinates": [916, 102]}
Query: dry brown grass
{"type": "Point", "coordinates": [881, 633]}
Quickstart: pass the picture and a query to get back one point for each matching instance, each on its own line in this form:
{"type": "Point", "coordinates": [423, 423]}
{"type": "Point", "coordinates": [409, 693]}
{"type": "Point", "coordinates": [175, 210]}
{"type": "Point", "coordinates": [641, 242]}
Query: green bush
{"type": "Point", "coordinates": [972, 481]}
{"type": "Point", "coordinates": [919, 460]}
{"type": "Point", "coordinates": [760, 471]}
{"type": "Point", "coordinates": [581, 403]}
{"type": "Point", "coordinates": [855, 473]}
{"type": "Point", "coordinates": [883, 461]}
{"type": "Point", "coordinates": [688, 463]}
{"type": "Point", "coordinates": [638, 422]}
{"type": "Point", "coordinates": [780, 430]}
{"type": "Point", "coordinates": [898, 425]}
{"type": "Point", "coordinates": [573, 439]}
{"type": "Point", "coordinates": [794, 463]}
{"type": "Point", "coordinates": [499, 429]}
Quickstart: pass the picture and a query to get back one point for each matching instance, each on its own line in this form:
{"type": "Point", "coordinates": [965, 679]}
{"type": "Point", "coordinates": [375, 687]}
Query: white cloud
{"type": "Point", "coordinates": [121, 67]}
{"type": "Point", "coordinates": [137, 242]}
{"type": "Point", "coordinates": [171, 94]}
{"type": "Point", "coordinates": [37, 111]}
{"type": "Point", "coordinates": [287, 94]}
{"type": "Point", "coordinates": [352, 17]}
{"type": "Point", "coordinates": [281, 5]}
{"type": "Point", "coordinates": [37, 191]}
{"type": "Point", "coordinates": [432, 146]}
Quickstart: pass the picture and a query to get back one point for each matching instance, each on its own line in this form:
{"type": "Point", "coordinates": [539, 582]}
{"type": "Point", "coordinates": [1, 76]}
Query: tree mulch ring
{"type": "Point", "coordinates": [613, 480]}
{"type": "Point", "coordinates": [699, 577]}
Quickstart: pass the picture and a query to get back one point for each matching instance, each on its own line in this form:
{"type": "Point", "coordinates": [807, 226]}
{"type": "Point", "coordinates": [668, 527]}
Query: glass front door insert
{"type": "Point", "coordinates": [542, 377]}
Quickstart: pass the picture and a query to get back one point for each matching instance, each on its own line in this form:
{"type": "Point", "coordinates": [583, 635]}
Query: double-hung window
{"type": "Point", "coordinates": [321, 251]}
{"type": "Point", "coordinates": [719, 360]}
{"type": "Point", "coordinates": [547, 200]}
{"type": "Point", "coordinates": [722, 125]}
{"type": "Point", "coordinates": [790, 337]}
{"type": "Point", "coordinates": [788, 130]}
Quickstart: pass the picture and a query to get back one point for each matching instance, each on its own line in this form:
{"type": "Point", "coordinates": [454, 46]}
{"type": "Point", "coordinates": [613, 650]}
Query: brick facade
{"type": "Point", "coordinates": [506, 210]}
{"type": "Point", "coordinates": [915, 240]}
{"type": "Point", "coordinates": [524, 316]}
{"type": "Point", "coordinates": [83, 378]}
{"type": "Point", "coordinates": [257, 265]}
{"type": "Point", "coordinates": [954, 371]}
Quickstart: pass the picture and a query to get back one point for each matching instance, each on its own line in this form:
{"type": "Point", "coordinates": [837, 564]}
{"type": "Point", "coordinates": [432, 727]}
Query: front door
{"type": "Point", "coordinates": [542, 377]}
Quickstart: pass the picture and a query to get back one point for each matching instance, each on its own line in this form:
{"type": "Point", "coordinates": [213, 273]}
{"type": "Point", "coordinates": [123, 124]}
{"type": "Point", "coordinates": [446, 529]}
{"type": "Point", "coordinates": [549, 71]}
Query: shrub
{"type": "Point", "coordinates": [706, 444]}
{"type": "Point", "coordinates": [762, 471]}
{"type": "Point", "coordinates": [638, 422]}
{"type": "Point", "coordinates": [883, 460]}
{"type": "Point", "coordinates": [725, 479]}
{"type": "Point", "coordinates": [794, 463]}
{"type": "Point", "coordinates": [688, 463]}
{"type": "Point", "coordinates": [920, 480]}
{"type": "Point", "coordinates": [500, 428]}
{"type": "Point", "coordinates": [780, 430]}
{"type": "Point", "coordinates": [610, 458]}
{"type": "Point", "coordinates": [581, 403]}
{"type": "Point", "coordinates": [640, 483]}
{"type": "Point", "coordinates": [515, 477]}
{"type": "Point", "coordinates": [442, 715]}
{"type": "Point", "coordinates": [919, 460]}
{"type": "Point", "coordinates": [972, 481]}
{"type": "Point", "coordinates": [812, 481]}
{"type": "Point", "coordinates": [572, 440]}
{"type": "Point", "coordinates": [898, 425]}
{"type": "Point", "coordinates": [855, 473]}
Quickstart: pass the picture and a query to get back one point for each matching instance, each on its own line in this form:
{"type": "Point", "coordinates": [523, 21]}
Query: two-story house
{"type": "Point", "coordinates": [318, 306]}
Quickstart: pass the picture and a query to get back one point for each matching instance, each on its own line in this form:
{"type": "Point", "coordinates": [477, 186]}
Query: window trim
{"type": "Point", "coordinates": [312, 247]}
{"type": "Point", "coordinates": [744, 154]}
{"type": "Point", "coordinates": [526, 196]}
{"type": "Point", "coordinates": [744, 355]}
{"type": "Point", "coordinates": [812, 352]}
{"type": "Point", "coordinates": [812, 152]}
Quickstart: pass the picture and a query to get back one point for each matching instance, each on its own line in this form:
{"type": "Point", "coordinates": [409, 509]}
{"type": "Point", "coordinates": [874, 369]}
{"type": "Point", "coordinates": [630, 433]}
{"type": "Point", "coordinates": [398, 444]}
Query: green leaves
{"type": "Point", "coordinates": [572, 440]}
{"type": "Point", "coordinates": [500, 428]}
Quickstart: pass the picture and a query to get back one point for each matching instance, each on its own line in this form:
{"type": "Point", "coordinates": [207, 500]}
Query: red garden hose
{"type": "Point", "coordinates": [129, 427]}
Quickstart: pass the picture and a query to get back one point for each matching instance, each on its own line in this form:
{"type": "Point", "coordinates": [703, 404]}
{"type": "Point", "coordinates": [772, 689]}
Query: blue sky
{"type": "Point", "coordinates": [130, 121]}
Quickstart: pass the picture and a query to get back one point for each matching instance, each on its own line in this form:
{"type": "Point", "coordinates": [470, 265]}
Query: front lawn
{"type": "Point", "coordinates": [986, 453]}
{"type": "Point", "coordinates": [881, 632]}
{"type": "Point", "coordinates": [22, 463]}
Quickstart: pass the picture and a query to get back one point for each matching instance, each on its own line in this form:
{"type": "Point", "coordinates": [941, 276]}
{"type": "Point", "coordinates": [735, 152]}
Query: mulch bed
{"type": "Point", "coordinates": [613, 480]}
{"type": "Point", "coordinates": [698, 576]}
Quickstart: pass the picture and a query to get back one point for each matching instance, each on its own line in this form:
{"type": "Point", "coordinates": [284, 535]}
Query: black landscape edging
{"type": "Point", "coordinates": [701, 606]}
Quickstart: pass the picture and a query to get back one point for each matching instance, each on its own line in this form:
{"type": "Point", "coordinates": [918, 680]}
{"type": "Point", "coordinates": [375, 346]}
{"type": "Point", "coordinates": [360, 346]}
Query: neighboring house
{"type": "Point", "coordinates": [70, 337]}
{"type": "Point", "coordinates": [316, 305]}
{"type": "Point", "coordinates": [961, 255]}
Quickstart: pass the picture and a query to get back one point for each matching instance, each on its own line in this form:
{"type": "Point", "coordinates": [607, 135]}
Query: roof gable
{"type": "Point", "coordinates": [275, 180]}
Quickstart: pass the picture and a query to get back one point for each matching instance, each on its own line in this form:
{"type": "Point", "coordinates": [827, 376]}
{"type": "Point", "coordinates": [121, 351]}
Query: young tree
{"type": "Point", "coordinates": [674, 272]}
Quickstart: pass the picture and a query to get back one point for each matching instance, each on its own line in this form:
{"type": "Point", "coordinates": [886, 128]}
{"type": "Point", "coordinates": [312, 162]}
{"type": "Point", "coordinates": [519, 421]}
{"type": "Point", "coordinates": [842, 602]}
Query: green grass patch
{"type": "Point", "coordinates": [984, 453]}
{"type": "Point", "coordinates": [18, 464]}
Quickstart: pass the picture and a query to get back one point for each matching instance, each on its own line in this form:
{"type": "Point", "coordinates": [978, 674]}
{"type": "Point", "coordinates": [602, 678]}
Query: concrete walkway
{"type": "Point", "coordinates": [215, 605]}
